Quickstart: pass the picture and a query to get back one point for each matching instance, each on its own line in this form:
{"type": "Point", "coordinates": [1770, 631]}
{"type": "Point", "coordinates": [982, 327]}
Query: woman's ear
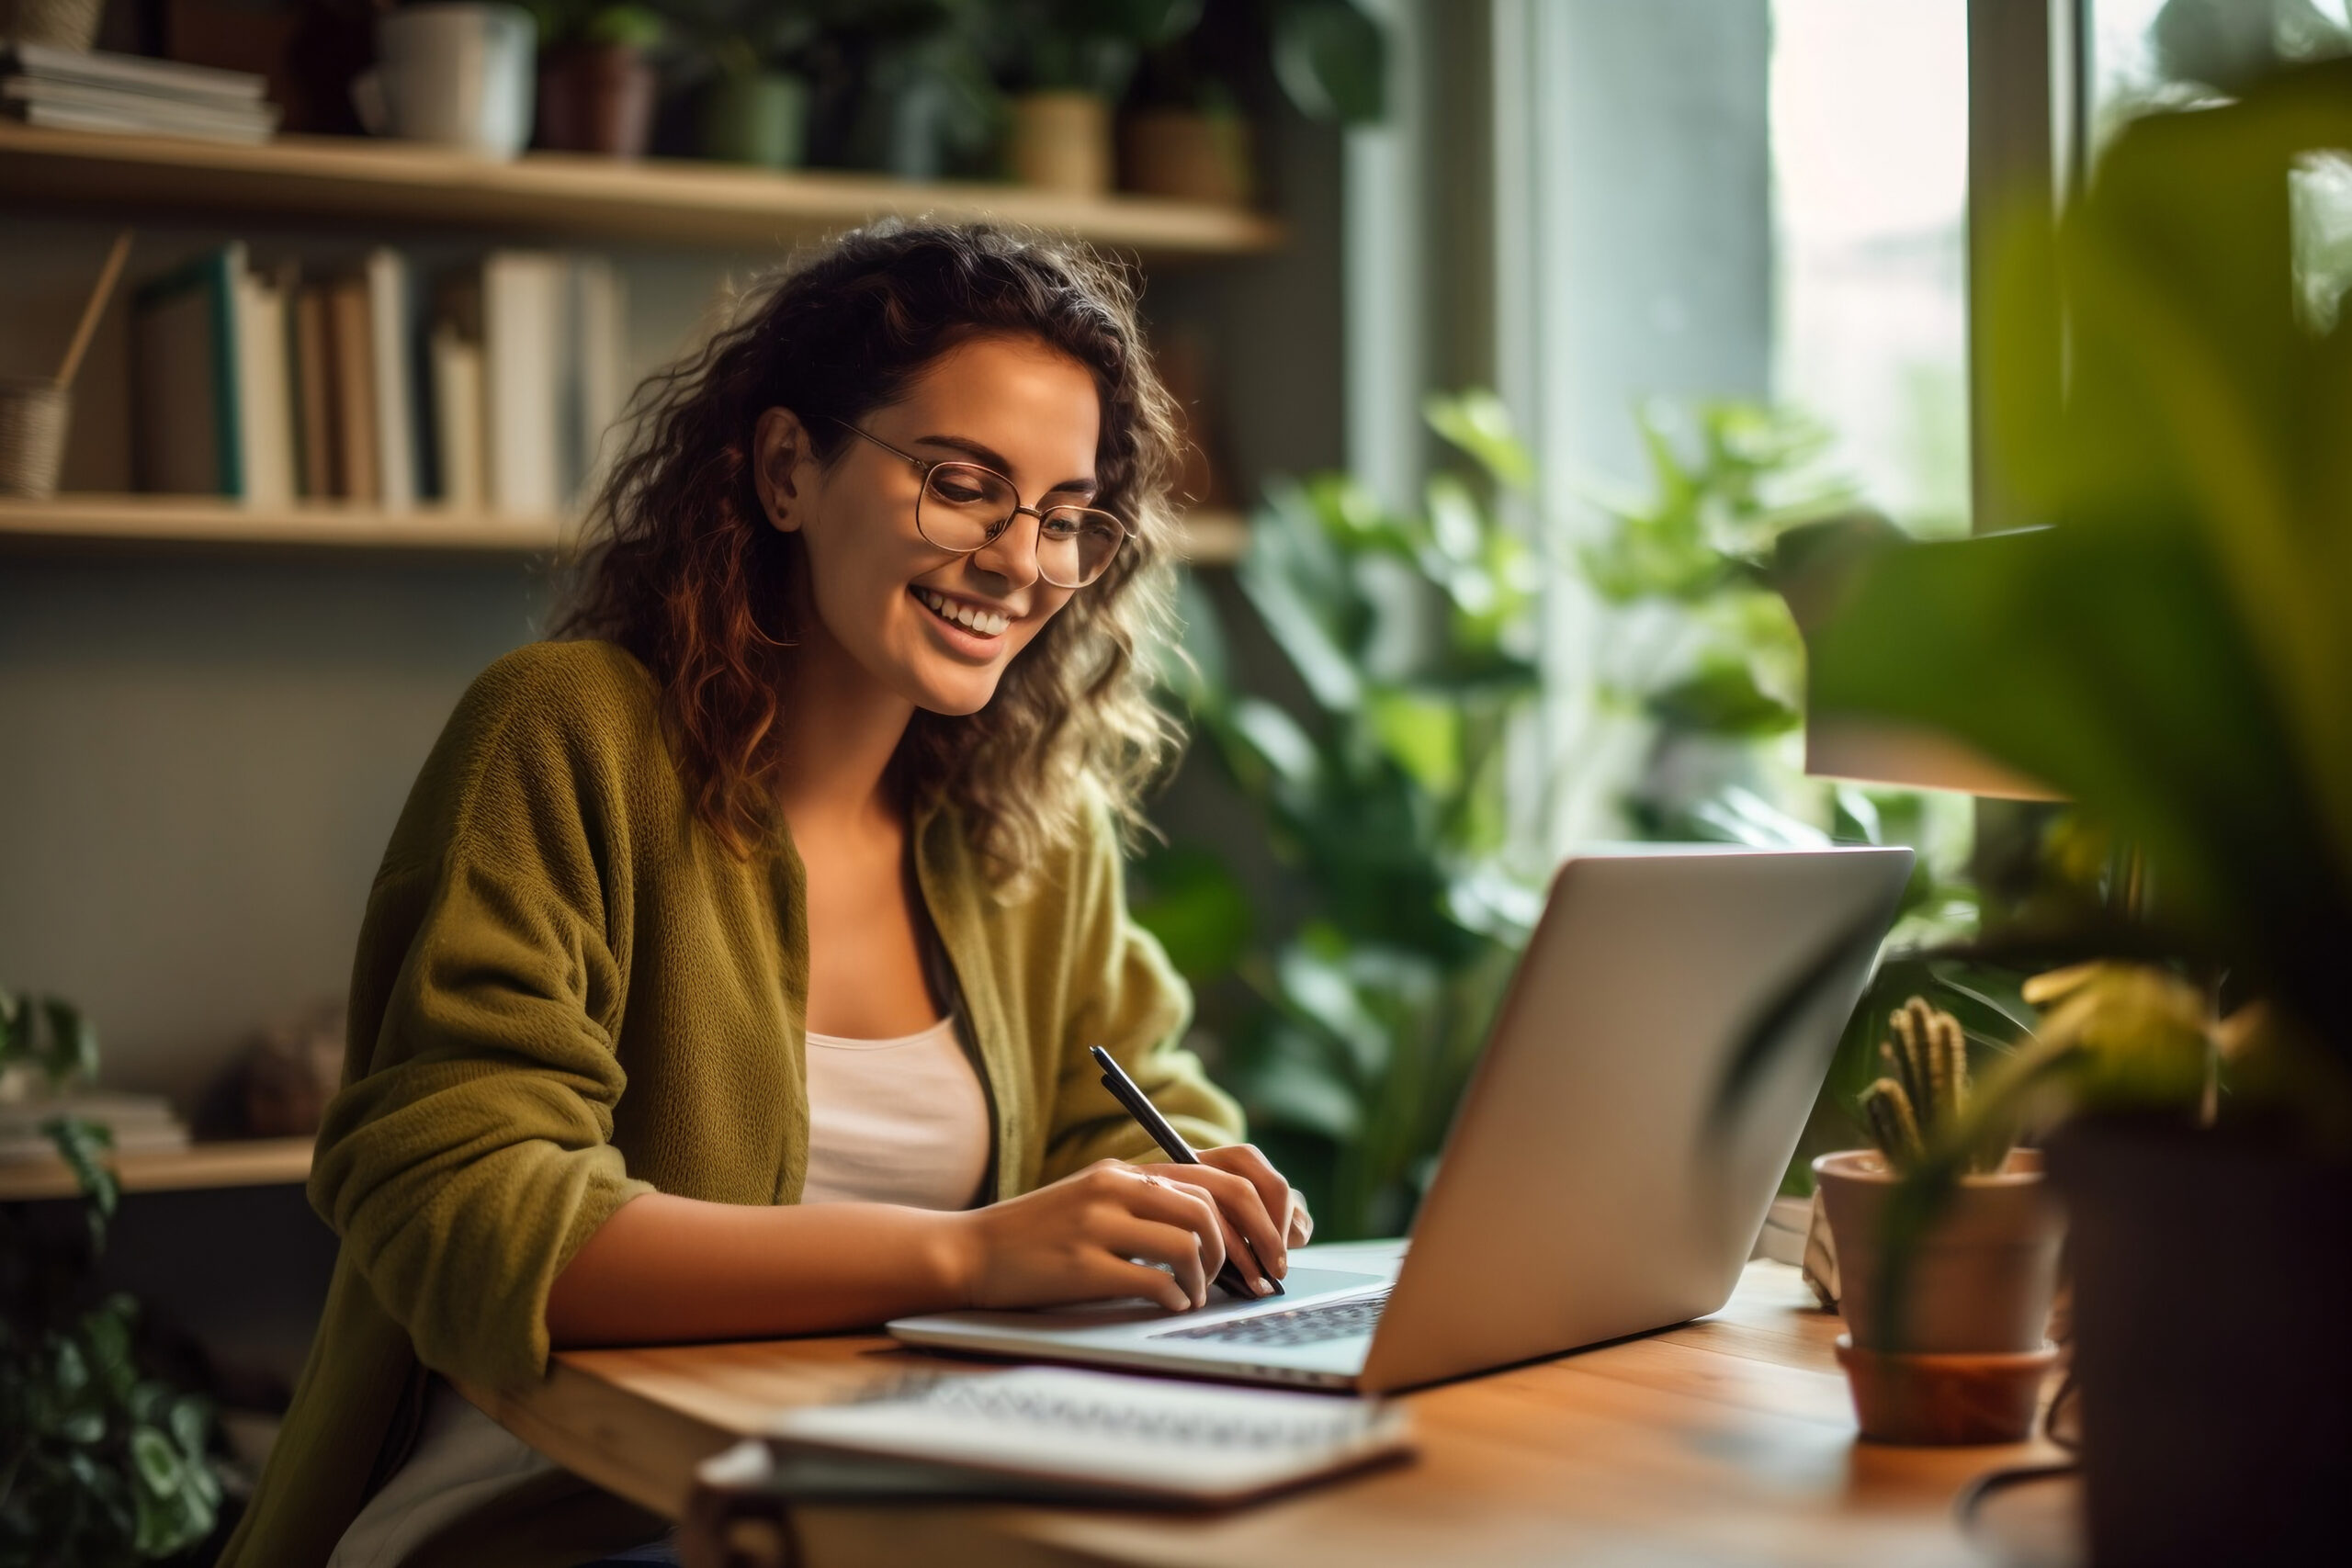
{"type": "Point", "coordinates": [779, 446]}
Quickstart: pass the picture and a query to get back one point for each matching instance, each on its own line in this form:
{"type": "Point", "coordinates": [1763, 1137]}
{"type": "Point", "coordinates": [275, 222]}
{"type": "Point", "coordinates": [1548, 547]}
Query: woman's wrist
{"type": "Point", "coordinates": [950, 1250]}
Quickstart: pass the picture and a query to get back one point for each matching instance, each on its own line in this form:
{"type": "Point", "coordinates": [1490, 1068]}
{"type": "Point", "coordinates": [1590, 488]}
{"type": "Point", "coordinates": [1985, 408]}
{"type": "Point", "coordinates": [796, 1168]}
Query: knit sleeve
{"type": "Point", "coordinates": [467, 1158]}
{"type": "Point", "coordinates": [1128, 999]}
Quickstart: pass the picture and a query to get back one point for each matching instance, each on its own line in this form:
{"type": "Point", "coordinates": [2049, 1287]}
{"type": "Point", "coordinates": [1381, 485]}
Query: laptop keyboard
{"type": "Point", "coordinates": [1300, 1325]}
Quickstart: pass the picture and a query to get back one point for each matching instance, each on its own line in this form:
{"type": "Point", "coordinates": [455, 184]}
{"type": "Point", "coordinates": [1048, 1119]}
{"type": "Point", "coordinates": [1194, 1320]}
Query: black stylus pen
{"type": "Point", "coordinates": [1171, 1144]}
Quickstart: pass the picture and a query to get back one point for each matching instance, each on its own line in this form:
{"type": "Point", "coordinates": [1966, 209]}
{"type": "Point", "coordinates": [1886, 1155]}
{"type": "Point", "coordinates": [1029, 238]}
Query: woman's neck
{"type": "Point", "coordinates": [841, 731]}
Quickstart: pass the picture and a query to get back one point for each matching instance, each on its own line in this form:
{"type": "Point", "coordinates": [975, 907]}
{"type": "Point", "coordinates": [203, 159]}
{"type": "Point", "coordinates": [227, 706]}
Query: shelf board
{"type": "Point", "coordinates": [1214, 537]}
{"type": "Point", "coordinates": [210, 522]}
{"type": "Point", "coordinates": [671, 202]}
{"type": "Point", "coordinates": [73, 522]}
{"type": "Point", "coordinates": [252, 1162]}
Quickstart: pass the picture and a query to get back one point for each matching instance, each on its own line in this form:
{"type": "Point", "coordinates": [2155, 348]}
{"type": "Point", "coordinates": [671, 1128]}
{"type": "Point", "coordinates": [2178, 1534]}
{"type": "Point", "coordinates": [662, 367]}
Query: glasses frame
{"type": "Point", "coordinates": [925, 467]}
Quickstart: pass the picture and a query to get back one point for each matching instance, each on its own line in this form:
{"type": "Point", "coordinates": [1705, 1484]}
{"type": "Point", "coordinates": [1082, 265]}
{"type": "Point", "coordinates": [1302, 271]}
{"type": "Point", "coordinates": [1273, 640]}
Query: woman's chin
{"type": "Point", "coordinates": [954, 694]}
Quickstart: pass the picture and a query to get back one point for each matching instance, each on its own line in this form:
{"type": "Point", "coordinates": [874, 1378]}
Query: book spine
{"type": "Point", "coordinates": [387, 312]}
{"type": "Point", "coordinates": [228, 265]}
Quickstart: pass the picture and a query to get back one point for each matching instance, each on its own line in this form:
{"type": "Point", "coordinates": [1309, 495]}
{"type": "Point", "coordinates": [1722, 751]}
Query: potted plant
{"type": "Point", "coordinates": [754, 60]}
{"type": "Point", "coordinates": [98, 1461]}
{"type": "Point", "coordinates": [1067, 62]}
{"type": "Point", "coordinates": [2173, 654]}
{"type": "Point", "coordinates": [1958, 1355]}
{"type": "Point", "coordinates": [596, 82]}
{"type": "Point", "coordinates": [903, 87]}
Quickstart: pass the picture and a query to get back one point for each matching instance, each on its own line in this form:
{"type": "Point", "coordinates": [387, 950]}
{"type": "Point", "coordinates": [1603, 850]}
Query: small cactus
{"type": "Point", "coordinates": [1924, 1093]}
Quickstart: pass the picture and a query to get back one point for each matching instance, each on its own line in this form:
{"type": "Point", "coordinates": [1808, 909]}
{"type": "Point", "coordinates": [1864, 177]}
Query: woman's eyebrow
{"type": "Point", "coordinates": [979, 452]}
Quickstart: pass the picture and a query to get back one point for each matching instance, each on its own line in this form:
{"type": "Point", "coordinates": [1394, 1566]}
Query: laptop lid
{"type": "Point", "coordinates": [1590, 1188]}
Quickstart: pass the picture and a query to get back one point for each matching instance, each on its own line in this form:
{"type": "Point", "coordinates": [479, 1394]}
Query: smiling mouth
{"type": "Point", "coordinates": [964, 617]}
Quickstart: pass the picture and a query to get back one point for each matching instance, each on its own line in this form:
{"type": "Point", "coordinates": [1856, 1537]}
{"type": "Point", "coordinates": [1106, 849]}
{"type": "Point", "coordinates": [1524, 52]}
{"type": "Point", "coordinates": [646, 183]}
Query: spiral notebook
{"type": "Point", "coordinates": [1051, 1433]}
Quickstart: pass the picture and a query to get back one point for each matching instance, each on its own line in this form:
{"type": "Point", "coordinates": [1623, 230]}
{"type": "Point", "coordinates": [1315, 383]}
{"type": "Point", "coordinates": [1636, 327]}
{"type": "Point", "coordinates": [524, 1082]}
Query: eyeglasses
{"type": "Point", "coordinates": [964, 507]}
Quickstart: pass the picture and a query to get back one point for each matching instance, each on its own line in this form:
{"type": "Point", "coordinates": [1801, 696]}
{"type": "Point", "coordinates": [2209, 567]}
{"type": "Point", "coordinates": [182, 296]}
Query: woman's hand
{"type": "Point", "coordinates": [1249, 1194]}
{"type": "Point", "coordinates": [1078, 1241]}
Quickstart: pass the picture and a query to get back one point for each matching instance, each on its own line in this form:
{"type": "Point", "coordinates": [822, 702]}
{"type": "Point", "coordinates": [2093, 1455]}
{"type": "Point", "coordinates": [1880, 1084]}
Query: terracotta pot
{"type": "Point", "coordinates": [1186, 155]}
{"type": "Point", "coordinates": [1061, 142]}
{"type": "Point", "coordinates": [1980, 1279]}
{"type": "Point", "coordinates": [596, 97]}
{"type": "Point", "coordinates": [1966, 1361]}
{"type": "Point", "coordinates": [2210, 1276]}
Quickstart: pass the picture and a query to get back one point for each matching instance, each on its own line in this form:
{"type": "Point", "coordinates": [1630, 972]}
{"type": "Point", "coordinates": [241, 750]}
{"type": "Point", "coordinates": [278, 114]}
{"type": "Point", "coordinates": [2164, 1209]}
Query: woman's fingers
{"type": "Point", "coordinates": [1150, 1195]}
{"type": "Point", "coordinates": [1150, 1241]}
{"type": "Point", "coordinates": [1251, 1193]}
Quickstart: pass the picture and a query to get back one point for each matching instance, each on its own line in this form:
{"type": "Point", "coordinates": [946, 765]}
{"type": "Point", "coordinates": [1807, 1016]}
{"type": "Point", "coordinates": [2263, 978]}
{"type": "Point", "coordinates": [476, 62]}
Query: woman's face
{"type": "Point", "coordinates": [880, 591]}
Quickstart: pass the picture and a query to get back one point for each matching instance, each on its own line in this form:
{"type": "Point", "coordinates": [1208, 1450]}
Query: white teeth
{"type": "Point", "coordinates": [980, 621]}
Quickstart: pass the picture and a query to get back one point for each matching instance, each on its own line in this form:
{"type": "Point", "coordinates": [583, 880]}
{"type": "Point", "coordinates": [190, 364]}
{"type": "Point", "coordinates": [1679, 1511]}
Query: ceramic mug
{"type": "Point", "coordinates": [457, 75]}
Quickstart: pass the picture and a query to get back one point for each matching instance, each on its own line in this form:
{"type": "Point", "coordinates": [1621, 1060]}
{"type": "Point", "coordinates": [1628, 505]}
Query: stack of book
{"type": "Point", "coordinates": [92, 90]}
{"type": "Point", "coordinates": [489, 389]}
{"type": "Point", "coordinates": [141, 1123]}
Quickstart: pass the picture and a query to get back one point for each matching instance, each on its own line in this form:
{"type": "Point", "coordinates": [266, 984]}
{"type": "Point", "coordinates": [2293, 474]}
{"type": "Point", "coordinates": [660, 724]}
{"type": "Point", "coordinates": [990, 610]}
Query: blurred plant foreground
{"type": "Point", "coordinates": [1397, 794]}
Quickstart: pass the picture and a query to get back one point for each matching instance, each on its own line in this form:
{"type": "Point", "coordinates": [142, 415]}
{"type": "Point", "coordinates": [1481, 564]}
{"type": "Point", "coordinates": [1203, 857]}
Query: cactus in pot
{"type": "Point", "coordinates": [1925, 1096]}
{"type": "Point", "coordinates": [1959, 1356]}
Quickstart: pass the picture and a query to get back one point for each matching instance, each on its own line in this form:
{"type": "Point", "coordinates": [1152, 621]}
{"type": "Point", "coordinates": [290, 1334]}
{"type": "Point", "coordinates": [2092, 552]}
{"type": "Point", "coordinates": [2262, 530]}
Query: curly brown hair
{"type": "Point", "coordinates": [682, 569]}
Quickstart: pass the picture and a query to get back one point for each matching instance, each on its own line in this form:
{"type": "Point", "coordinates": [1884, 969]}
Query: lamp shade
{"type": "Point", "coordinates": [1875, 752]}
{"type": "Point", "coordinates": [1814, 568]}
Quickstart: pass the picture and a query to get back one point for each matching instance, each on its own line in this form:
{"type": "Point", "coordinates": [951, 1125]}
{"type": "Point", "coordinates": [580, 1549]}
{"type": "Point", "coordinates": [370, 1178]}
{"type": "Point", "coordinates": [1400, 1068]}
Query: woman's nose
{"type": "Point", "coordinates": [1013, 553]}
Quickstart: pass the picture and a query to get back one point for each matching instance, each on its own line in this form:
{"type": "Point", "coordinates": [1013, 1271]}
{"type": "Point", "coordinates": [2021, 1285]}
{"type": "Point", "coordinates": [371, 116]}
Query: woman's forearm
{"type": "Point", "coordinates": [664, 1268]}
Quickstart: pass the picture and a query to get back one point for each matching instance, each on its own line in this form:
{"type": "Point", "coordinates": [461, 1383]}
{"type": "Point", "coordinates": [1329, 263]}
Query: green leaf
{"type": "Point", "coordinates": [1320, 992]}
{"type": "Point", "coordinates": [1424, 736]}
{"type": "Point", "coordinates": [1291, 1088]}
{"type": "Point", "coordinates": [1276, 739]}
{"type": "Point", "coordinates": [1196, 909]}
{"type": "Point", "coordinates": [1331, 60]}
{"type": "Point", "coordinates": [83, 1146]}
{"type": "Point", "coordinates": [156, 1461]}
{"type": "Point", "coordinates": [1721, 697]}
{"type": "Point", "coordinates": [1480, 424]}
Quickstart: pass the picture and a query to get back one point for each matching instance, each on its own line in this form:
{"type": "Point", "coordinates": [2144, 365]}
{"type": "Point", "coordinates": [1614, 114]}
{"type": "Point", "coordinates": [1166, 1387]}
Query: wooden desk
{"type": "Point", "coordinates": [1730, 1440]}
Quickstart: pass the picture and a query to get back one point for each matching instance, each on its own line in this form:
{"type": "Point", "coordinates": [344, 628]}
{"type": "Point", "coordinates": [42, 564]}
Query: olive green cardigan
{"type": "Point", "coordinates": [568, 993]}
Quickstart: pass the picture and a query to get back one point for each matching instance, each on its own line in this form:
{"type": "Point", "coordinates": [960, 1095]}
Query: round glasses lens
{"type": "Point", "coordinates": [1075, 543]}
{"type": "Point", "coordinates": [963, 506]}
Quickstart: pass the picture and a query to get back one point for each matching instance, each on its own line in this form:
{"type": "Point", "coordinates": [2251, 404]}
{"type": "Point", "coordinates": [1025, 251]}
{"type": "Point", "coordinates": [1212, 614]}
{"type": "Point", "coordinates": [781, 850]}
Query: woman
{"type": "Point", "coordinates": [731, 969]}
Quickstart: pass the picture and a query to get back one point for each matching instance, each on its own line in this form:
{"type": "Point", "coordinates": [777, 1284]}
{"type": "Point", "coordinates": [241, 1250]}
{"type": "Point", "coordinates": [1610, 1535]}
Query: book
{"type": "Point", "coordinates": [524, 366]}
{"type": "Point", "coordinates": [184, 409]}
{"type": "Point", "coordinates": [210, 395]}
{"type": "Point", "coordinates": [457, 417]}
{"type": "Point", "coordinates": [1052, 1433]}
{"type": "Point", "coordinates": [141, 1123]}
{"type": "Point", "coordinates": [350, 351]}
{"type": "Point", "coordinates": [313, 392]}
{"type": "Point", "coordinates": [141, 110]}
{"type": "Point", "coordinates": [390, 365]}
{"type": "Point", "coordinates": [138, 72]}
{"type": "Point", "coordinates": [597, 390]}
{"type": "Point", "coordinates": [68, 116]}
{"type": "Point", "coordinates": [263, 389]}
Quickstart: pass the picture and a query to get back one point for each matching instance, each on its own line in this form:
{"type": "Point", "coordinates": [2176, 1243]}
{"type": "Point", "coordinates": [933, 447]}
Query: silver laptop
{"type": "Point", "coordinates": [1594, 1184]}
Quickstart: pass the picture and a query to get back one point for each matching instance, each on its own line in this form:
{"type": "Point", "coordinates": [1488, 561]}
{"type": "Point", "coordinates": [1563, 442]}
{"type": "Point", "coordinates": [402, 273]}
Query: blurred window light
{"type": "Point", "coordinates": [1870, 187]}
{"type": "Point", "coordinates": [2148, 55]}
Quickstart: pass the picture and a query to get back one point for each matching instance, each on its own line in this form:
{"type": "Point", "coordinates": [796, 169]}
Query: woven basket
{"type": "Point", "coordinates": [33, 416]}
{"type": "Point", "coordinates": [63, 24]}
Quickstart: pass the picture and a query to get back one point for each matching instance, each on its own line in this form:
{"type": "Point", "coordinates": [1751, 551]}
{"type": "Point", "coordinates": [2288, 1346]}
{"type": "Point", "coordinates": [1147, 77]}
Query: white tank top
{"type": "Point", "coordinates": [901, 1120]}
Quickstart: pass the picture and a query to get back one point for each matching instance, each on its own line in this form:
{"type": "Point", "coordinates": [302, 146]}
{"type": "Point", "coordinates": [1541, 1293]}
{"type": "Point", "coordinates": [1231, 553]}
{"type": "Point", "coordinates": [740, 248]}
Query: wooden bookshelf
{"type": "Point", "coordinates": [205, 523]}
{"type": "Point", "coordinates": [83, 522]}
{"type": "Point", "coordinates": [255, 1162]}
{"type": "Point", "coordinates": [669, 202]}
